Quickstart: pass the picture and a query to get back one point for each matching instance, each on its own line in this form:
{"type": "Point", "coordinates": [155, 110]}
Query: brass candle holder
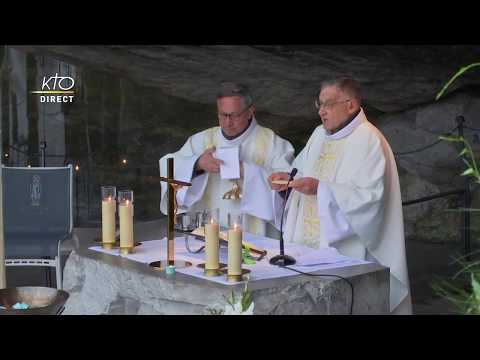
{"type": "Point", "coordinates": [126, 250]}
{"type": "Point", "coordinates": [212, 272]}
{"type": "Point", "coordinates": [108, 246]}
{"type": "Point", "coordinates": [235, 278]}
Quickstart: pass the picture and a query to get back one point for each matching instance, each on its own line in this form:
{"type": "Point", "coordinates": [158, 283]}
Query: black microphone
{"type": "Point", "coordinates": [282, 259]}
{"type": "Point", "coordinates": [292, 174]}
{"type": "Point", "coordinates": [287, 192]}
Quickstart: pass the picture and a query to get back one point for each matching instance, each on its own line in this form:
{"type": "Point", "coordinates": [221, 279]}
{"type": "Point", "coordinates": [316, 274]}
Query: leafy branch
{"type": "Point", "coordinates": [241, 306]}
{"type": "Point", "coordinates": [247, 257]}
{"type": "Point", "coordinates": [465, 298]}
{"type": "Point", "coordinates": [450, 82]}
{"type": "Point", "coordinates": [468, 157]}
{"type": "Point", "coordinates": [245, 300]}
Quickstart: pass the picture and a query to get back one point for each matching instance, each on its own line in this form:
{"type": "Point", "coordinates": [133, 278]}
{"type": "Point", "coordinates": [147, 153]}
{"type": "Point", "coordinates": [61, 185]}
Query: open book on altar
{"type": "Point", "coordinates": [200, 232]}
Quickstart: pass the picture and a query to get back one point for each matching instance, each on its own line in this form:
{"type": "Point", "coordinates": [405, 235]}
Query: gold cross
{"type": "Point", "coordinates": [175, 185]}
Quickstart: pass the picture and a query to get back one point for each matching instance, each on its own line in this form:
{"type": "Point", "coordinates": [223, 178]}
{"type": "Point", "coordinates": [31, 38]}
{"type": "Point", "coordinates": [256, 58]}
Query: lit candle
{"type": "Point", "coordinates": [109, 207]}
{"type": "Point", "coordinates": [235, 250]}
{"type": "Point", "coordinates": [211, 245]}
{"type": "Point", "coordinates": [125, 209]}
{"type": "Point", "coordinates": [108, 220]}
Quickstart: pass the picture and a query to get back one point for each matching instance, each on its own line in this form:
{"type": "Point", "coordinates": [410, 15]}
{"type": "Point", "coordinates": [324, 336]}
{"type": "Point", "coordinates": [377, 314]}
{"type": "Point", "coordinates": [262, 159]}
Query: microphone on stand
{"type": "Point", "coordinates": [282, 259]}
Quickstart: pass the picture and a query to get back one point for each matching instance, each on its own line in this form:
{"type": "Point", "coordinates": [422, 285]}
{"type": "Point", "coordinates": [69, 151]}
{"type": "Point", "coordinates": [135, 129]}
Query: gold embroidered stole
{"type": "Point", "coordinates": [323, 170]}
{"type": "Point", "coordinates": [263, 140]}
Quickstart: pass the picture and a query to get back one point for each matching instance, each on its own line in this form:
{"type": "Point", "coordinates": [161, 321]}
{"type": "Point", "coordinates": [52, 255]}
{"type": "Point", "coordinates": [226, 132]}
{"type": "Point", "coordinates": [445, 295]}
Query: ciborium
{"type": "Point", "coordinates": [235, 193]}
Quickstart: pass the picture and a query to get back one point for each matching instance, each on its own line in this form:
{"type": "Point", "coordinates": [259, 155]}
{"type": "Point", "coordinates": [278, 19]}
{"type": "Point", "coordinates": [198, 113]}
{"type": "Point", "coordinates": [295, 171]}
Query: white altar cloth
{"type": "Point", "coordinates": [308, 260]}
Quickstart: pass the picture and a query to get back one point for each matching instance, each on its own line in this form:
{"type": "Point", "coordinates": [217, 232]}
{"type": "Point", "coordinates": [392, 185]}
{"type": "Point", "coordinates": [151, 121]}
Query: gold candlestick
{"type": "Point", "coordinates": [125, 210]}
{"type": "Point", "coordinates": [172, 185]}
{"type": "Point", "coordinates": [109, 208]}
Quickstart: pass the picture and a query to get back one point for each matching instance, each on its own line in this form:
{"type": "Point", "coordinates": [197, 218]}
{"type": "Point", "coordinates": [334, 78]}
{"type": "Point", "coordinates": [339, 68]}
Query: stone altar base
{"type": "Point", "coordinates": [103, 284]}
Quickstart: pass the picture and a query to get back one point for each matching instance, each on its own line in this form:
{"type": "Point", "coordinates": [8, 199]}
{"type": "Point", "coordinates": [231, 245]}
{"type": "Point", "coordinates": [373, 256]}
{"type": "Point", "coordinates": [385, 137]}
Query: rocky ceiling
{"type": "Point", "coordinates": [283, 79]}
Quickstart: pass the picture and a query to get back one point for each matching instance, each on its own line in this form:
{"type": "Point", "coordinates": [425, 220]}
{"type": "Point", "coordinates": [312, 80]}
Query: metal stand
{"type": "Point", "coordinates": [43, 146]}
{"type": "Point", "coordinates": [467, 200]}
{"type": "Point", "coordinates": [282, 259]}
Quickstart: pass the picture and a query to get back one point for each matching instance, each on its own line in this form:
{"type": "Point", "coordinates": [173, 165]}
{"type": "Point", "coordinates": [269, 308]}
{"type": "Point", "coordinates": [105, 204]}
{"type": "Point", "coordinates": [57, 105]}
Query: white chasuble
{"type": "Point", "coordinates": [261, 151]}
{"type": "Point", "coordinates": [358, 207]}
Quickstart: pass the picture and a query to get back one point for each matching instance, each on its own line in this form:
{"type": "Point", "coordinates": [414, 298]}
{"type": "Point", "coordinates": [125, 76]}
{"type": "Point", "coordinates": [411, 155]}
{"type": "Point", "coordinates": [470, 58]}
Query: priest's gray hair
{"type": "Point", "coordinates": [347, 85]}
{"type": "Point", "coordinates": [228, 89]}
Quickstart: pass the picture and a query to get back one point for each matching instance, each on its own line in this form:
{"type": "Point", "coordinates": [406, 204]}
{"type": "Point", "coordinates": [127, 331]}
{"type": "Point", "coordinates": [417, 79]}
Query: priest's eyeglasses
{"type": "Point", "coordinates": [233, 115]}
{"type": "Point", "coordinates": [328, 104]}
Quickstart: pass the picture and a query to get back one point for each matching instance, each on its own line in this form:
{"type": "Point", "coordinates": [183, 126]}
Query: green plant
{"type": "Point", "coordinates": [242, 305]}
{"type": "Point", "coordinates": [465, 296]}
{"type": "Point", "coordinates": [454, 77]}
{"type": "Point", "coordinates": [468, 157]}
{"type": "Point", "coordinates": [247, 257]}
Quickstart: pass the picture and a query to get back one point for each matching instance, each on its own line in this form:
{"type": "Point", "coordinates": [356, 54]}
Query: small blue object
{"type": "Point", "coordinates": [170, 270]}
{"type": "Point", "coordinates": [20, 306]}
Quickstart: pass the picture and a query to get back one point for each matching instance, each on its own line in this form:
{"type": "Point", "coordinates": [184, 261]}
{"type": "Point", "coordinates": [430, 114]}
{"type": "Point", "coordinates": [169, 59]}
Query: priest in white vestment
{"type": "Point", "coordinates": [260, 153]}
{"type": "Point", "coordinates": [346, 193]}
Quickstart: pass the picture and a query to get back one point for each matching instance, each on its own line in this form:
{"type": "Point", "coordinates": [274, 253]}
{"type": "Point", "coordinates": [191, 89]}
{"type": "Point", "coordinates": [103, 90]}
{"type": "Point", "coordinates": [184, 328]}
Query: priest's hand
{"type": "Point", "coordinates": [305, 185]}
{"type": "Point", "coordinates": [208, 162]}
{"type": "Point", "coordinates": [284, 176]}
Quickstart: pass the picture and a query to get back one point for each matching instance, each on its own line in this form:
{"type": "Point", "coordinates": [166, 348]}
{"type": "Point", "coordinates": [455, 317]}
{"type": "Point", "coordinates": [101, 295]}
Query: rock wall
{"type": "Point", "coordinates": [141, 102]}
{"type": "Point", "coordinates": [436, 168]}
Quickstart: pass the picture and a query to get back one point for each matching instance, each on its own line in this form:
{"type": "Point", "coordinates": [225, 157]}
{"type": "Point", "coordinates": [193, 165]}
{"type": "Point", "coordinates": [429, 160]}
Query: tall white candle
{"type": "Point", "coordinates": [109, 207]}
{"type": "Point", "coordinates": [235, 250]}
{"type": "Point", "coordinates": [211, 245]}
{"type": "Point", "coordinates": [125, 210]}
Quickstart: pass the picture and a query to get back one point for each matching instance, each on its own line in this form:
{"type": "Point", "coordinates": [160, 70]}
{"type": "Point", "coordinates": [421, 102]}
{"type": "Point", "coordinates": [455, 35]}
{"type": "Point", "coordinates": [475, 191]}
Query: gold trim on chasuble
{"type": "Point", "coordinates": [263, 138]}
{"type": "Point", "coordinates": [323, 170]}
{"type": "Point", "coordinates": [210, 140]}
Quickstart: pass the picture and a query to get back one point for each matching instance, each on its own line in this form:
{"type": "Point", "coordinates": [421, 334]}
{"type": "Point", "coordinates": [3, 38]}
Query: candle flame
{"type": "Point", "coordinates": [109, 198]}
{"type": "Point", "coordinates": [127, 202]}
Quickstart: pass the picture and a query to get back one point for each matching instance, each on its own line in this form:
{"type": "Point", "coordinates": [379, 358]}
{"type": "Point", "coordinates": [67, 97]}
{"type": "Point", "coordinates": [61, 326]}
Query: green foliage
{"type": "Point", "coordinates": [466, 298]}
{"type": "Point", "coordinates": [468, 157]}
{"type": "Point", "coordinates": [245, 300]}
{"type": "Point", "coordinates": [235, 306]}
{"type": "Point", "coordinates": [454, 77]}
{"type": "Point", "coordinates": [463, 295]}
{"type": "Point", "coordinates": [247, 257]}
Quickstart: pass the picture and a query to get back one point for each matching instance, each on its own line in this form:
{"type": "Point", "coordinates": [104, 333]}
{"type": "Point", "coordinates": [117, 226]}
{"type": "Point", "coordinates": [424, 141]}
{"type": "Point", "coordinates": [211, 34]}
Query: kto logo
{"type": "Point", "coordinates": [60, 85]}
